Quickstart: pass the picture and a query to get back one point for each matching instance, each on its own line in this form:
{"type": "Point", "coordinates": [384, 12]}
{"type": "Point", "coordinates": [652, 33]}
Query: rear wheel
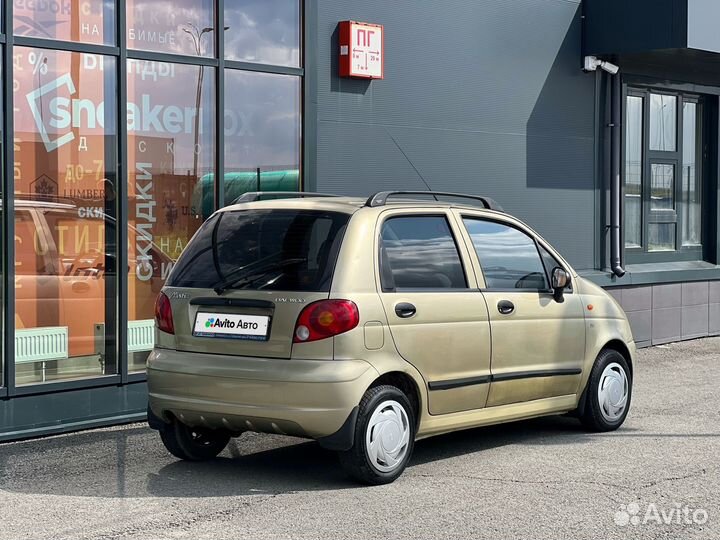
{"type": "Point", "coordinates": [384, 437]}
{"type": "Point", "coordinates": [191, 443]}
{"type": "Point", "coordinates": [608, 393]}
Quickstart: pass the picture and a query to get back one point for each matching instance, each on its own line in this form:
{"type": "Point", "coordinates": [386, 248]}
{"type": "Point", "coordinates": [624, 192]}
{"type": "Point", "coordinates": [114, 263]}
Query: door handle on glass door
{"type": "Point", "coordinates": [505, 307]}
{"type": "Point", "coordinates": [80, 287]}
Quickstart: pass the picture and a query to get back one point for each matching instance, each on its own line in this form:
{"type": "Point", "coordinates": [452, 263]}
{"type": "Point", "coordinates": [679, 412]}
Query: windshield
{"type": "Point", "coordinates": [288, 250]}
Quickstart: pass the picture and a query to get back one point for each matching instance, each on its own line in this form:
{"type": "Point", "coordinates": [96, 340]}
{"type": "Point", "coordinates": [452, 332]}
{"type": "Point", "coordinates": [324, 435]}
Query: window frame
{"type": "Point", "coordinates": [642, 254]}
{"type": "Point", "coordinates": [382, 267]}
{"type": "Point", "coordinates": [538, 243]}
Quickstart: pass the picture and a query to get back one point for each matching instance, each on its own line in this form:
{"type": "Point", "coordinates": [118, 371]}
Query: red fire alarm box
{"type": "Point", "coordinates": [361, 50]}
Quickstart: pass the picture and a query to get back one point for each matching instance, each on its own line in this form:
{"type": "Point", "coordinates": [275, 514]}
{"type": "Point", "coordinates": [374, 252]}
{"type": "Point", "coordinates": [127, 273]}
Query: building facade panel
{"type": "Point", "coordinates": [481, 97]}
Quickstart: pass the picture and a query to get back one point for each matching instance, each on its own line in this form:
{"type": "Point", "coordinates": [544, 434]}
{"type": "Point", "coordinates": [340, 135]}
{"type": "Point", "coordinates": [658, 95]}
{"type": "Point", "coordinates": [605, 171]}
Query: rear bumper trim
{"type": "Point", "coordinates": [304, 398]}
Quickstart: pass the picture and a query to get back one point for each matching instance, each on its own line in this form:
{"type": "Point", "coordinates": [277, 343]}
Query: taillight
{"type": "Point", "coordinates": [163, 314]}
{"type": "Point", "coordinates": [324, 319]}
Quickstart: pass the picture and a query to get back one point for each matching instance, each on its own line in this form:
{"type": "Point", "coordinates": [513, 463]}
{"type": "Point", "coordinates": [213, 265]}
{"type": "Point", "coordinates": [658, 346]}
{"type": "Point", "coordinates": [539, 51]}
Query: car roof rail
{"type": "Point", "coordinates": [381, 198]}
{"type": "Point", "coordinates": [252, 196]}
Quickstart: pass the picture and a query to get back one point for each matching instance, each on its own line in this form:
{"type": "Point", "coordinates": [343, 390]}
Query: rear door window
{"type": "Point", "coordinates": [419, 252]}
{"type": "Point", "coordinates": [283, 250]}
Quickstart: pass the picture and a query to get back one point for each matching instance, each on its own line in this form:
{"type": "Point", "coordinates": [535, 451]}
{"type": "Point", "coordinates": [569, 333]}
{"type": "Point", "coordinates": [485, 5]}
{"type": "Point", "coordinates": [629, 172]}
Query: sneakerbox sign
{"type": "Point", "coordinates": [227, 325]}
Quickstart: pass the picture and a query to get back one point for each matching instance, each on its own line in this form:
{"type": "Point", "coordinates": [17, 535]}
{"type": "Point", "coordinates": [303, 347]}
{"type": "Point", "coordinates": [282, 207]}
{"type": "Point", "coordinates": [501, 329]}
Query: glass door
{"type": "Point", "coordinates": [663, 176]}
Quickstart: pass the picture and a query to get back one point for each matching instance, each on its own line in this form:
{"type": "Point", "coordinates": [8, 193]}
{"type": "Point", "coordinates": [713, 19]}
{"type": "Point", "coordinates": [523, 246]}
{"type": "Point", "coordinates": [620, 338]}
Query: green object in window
{"type": "Point", "coordinates": [237, 183]}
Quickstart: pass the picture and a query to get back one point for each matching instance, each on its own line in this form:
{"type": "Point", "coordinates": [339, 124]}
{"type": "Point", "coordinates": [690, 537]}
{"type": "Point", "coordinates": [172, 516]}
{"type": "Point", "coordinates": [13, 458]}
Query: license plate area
{"type": "Point", "coordinates": [211, 324]}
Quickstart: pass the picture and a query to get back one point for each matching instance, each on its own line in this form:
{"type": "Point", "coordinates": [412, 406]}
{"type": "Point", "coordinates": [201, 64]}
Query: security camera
{"type": "Point", "coordinates": [593, 62]}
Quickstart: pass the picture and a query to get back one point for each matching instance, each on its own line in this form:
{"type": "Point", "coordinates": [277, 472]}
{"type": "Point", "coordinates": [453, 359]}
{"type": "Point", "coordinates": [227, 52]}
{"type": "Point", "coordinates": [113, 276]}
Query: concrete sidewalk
{"type": "Point", "coordinates": [544, 478]}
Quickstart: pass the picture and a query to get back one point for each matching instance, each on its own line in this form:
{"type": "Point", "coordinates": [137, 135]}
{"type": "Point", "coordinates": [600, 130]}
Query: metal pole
{"type": "Point", "coordinates": [8, 219]}
{"type": "Point", "coordinates": [122, 197]}
{"type": "Point", "coordinates": [615, 179]}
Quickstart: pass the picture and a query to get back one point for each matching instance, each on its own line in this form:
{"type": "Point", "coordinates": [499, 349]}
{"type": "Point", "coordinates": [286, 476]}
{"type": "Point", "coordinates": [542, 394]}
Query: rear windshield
{"type": "Point", "coordinates": [281, 250]}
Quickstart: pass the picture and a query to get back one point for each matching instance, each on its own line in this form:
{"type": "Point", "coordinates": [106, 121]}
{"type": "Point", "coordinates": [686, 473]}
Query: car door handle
{"type": "Point", "coordinates": [505, 307]}
{"type": "Point", "coordinates": [405, 310]}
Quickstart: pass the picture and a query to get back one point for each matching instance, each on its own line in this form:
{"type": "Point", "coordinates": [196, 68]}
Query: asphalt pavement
{"type": "Point", "coordinates": [656, 478]}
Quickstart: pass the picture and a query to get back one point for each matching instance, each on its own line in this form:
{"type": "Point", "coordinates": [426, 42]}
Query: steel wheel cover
{"type": "Point", "coordinates": [387, 437]}
{"type": "Point", "coordinates": [613, 391]}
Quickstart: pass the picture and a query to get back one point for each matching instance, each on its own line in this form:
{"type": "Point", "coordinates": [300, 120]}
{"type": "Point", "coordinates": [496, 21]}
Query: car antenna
{"type": "Point", "coordinates": [410, 162]}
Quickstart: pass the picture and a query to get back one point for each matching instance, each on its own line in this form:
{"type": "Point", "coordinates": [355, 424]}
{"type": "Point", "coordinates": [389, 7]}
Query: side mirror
{"type": "Point", "coordinates": [560, 279]}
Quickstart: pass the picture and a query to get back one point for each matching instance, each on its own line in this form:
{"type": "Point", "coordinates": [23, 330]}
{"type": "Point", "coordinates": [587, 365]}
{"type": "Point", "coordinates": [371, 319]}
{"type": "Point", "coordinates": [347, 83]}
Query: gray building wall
{"type": "Point", "coordinates": [671, 311]}
{"type": "Point", "coordinates": [481, 96]}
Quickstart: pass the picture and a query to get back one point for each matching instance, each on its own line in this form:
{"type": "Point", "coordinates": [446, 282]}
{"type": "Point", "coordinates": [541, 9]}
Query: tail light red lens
{"type": "Point", "coordinates": [163, 314]}
{"type": "Point", "coordinates": [325, 319]}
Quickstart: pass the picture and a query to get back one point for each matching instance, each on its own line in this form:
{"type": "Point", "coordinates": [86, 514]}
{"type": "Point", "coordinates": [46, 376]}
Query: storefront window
{"type": "Point", "coordinates": [262, 133]}
{"type": "Point", "coordinates": [66, 162]}
{"type": "Point", "coordinates": [264, 31]}
{"type": "Point", "coordinates": [87, 21]}
{"type": "Point", "coordinates": [172, 26]}
{"type": "Point", "coordinates": [171, 155]}
{"type": "Point", "coordinates": [65, 156]}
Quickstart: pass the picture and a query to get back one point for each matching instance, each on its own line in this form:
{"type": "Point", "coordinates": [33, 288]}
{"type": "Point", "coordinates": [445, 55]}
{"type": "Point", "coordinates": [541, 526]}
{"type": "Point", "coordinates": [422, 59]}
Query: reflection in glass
{"type": "Point", "coordinates": [65, 157]}
{"type": "Point", "coordinates": [420, 253]}
{"type": "Point", "coordinates": [508, 257]}
{"type": "Point", "coordinates": [280, 250]}
{"type": "Point", "coordinates": [171, 150]}
{"type": "Point", "coordinates": [262, 135]}
{"type": "Point", "coordinates": [691, 183]}
{"type": "Point", "coordinates": [661, 236]}
{"type": "Point", "coordinates": [663, 122]}
{"type": "Point", "coordinates": [172, 26]}
{"type": "Point", "coordinates": [633, 171]}
{"type": "Point", "coordinates": [662, 186]}
{"type": "Point", "coordinates": [264, 31]}
{"type": "Point", "coordinates": [85, 22]}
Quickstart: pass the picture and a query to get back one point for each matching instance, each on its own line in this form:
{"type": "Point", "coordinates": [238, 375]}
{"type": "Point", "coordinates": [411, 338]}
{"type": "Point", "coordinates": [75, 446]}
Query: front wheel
{"type": "Point", "coordinates": [384, 437]}
{"type": "Point", "coordinates": [609, 391]}
{"type": "Point", "coordinates": [191, 443]}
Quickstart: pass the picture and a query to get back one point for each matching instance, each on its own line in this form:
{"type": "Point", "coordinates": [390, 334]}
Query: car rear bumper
{"type": "Point", "coordinates": [305, 398]}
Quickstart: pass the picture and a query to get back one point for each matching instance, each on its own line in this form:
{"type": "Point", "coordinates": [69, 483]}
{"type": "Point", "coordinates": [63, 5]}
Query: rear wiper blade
{"type": "Point", "coordinates": [252, 276]}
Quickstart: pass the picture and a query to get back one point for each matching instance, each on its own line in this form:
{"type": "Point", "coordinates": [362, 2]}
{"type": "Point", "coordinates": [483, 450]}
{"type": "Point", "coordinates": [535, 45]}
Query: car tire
{"type": "Point", "coordinates": [609, 391]}
{"type": "Point", "coordinates": [384, 437]}
{"type": "Point", "coordinates": [193, 444]}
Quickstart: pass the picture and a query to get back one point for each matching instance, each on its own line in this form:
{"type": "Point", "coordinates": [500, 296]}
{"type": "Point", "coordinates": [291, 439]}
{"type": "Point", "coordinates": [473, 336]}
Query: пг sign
{"type": "Point", "coordinates": [361, 50]}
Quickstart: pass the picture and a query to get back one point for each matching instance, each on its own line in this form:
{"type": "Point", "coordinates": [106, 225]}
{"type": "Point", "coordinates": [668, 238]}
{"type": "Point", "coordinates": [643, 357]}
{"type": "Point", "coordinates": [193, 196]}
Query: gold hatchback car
{"type": "Point", "coordinates": [370, 324]}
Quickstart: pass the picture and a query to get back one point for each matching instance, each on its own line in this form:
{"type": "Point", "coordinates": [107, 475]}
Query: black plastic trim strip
{"type": "Point", "coordinates": [484, 379]}
{"type": "Point", "coordinates": [534, 374]}
{"type": "Point", "coordinates": [233, 302]}
{"type": "Point", "coordinates": [458, 383]}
